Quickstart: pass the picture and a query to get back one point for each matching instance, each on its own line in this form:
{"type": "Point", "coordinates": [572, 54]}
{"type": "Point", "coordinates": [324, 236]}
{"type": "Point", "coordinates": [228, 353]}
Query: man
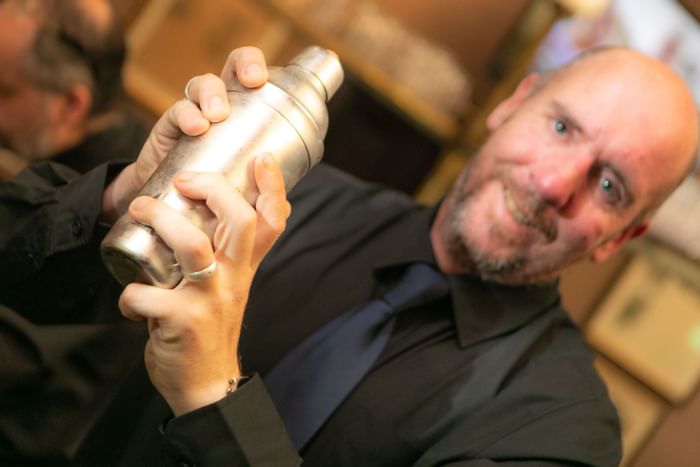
{"type": "Point", "coordinates": [61, 94]}
{"type": "Point", "coordinates": [61, 99]}
{"type": "Point", "coordinates": [494, 372]}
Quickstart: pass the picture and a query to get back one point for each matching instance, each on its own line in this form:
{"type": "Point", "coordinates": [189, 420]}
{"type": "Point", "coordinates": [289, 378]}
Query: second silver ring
{"type": "Point", "coordinates": [202, 274]}
{"type": "Point", "coordinates": [187, 89]}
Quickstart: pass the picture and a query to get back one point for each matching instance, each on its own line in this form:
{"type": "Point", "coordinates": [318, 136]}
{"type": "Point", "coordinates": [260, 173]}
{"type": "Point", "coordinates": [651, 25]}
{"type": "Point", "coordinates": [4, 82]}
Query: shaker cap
{"type": "Point", "coordinates": [324, 65]}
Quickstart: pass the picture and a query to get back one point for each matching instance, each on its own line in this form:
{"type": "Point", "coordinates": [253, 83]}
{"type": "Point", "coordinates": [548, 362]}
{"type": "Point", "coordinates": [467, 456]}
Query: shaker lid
{"type": "Point", "coordinates": [324, 65]}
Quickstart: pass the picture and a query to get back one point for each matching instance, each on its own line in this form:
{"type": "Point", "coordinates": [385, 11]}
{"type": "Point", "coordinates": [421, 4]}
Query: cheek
{"type": "Point", "coordinates": [585, 235]}
{"type": "Point", "coordinates": [17, 115]}
{"type": "Point", "coordinates": [516, 142]}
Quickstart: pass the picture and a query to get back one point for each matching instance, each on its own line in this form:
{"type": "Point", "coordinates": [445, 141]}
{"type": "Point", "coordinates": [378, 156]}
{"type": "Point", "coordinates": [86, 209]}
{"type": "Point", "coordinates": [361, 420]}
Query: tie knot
{"type": "Point", "coordinates": [420, 283]}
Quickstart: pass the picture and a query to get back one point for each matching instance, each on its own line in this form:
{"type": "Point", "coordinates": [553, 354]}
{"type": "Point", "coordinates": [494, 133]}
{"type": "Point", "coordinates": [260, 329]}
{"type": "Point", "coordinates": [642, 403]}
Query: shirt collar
{"type": "Point", "coordinates": [412, 242]}
{"type": "Point", "coordinates": [485, 309]}
{"type": "Point", "coordinates": [481, 309]}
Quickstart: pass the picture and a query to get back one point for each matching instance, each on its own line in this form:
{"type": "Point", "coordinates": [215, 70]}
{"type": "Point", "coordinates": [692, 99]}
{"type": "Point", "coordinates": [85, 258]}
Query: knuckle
{"type": "Point", "coordinates": [175, 111]}
{"type": "Point", "coordinates": [247, 218]}
{"type": "Point", "coordinates": [197, 247]}
{"type": "Point", "coordinates": [238, 54]}
{"type": "Point", "coordinates": [278, 219]}
{"type": "Point", "coordinates": [216, 179]}
{"type": "Point", "coordinates": [233, 54]}
{"type": "Point", "coordinates": [248, 50]}
{"type": "Point", "coordinates": [278, 224]}
{"type": "Point", "coordinates": [200, 247]}
{"type": "Point", "coordinates": [195, 318]}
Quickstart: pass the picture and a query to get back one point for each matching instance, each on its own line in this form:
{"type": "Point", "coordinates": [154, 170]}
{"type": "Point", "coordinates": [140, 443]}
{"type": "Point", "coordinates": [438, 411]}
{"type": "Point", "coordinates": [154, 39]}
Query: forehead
{"type": "Point", "coordinates": [17, 27]}
{"type": "Point", "coordinates": [17, 31]}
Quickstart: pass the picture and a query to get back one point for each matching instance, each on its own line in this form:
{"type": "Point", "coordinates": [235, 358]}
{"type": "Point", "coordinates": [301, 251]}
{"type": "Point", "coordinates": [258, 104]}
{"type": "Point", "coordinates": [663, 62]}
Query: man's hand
{"type": "Point", "coordinates": [208, 104]}
{"type": "Point", "coordinates": [194, 329]}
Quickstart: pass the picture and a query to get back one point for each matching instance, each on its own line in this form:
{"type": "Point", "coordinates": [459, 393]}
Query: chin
{"type": "Point", "coordinates": [523, 278]}
{"type": "Point", "coordinates": [514, 268]}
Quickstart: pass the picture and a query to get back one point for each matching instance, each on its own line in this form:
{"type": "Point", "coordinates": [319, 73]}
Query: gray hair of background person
{"type": "Point", "coordinates": [72, 46]}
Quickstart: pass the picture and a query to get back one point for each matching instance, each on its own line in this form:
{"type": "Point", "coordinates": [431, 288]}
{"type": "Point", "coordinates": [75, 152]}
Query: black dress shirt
{"type": "Point", "coordinates": [51, 222]}
{"type": "Point", "coordinates": [490, 375]}
{"type": "Point", "coordinates": [65, 350]}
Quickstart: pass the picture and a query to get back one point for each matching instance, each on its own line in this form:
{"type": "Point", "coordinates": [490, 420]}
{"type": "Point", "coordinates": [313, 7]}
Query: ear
{"type": "Point", "coordinates": [75, 105]}
{"type": "Point", "coordinates": [69, 112]}
{"type": "Point", "coordinates": [506, 108]}
{"type": "Point", "coordinates": [607, 249]}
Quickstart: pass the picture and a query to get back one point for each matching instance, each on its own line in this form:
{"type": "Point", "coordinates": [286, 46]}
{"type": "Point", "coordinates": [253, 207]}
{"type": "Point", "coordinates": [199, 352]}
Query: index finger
{"type": "Point", "coordinates": [208, 91]}
{"type": "Point", "coordinates": [247, 64]}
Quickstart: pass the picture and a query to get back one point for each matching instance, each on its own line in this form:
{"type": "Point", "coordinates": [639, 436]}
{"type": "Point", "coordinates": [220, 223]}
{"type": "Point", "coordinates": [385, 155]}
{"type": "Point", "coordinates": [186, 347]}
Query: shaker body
{"type": "Point", "coordinates": [269, 119]}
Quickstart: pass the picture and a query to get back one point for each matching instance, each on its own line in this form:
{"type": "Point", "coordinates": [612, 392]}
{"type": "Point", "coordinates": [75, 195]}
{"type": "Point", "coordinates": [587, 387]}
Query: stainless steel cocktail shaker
{"type": "Point", "coordinates": [287, 117]}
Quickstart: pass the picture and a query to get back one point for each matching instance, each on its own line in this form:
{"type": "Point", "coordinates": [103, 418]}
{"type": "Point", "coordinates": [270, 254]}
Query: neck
{"type": "Point", "coordinates": [74, 136]}
{"type": "Point", "coordinates": [445, 260]}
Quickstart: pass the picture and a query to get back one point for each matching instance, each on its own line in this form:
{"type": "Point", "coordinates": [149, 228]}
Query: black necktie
{"type": "Point", "coordinates": [314, 378]}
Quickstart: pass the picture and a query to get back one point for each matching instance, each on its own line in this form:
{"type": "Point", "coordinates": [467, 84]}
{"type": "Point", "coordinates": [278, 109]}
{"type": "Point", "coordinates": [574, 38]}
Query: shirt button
{"type": "Point", "coordinates": [77, 228]}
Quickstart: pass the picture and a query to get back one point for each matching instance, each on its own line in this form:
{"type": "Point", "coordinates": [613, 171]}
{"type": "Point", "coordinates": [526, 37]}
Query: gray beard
{"type": "Point", "coordinates": [468, 256]}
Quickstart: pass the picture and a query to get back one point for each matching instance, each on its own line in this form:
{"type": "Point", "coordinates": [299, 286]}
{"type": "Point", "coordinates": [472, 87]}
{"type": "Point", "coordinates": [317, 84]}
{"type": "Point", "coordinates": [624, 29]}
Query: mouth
{"type": "Point", "coordinates": [529, 211]}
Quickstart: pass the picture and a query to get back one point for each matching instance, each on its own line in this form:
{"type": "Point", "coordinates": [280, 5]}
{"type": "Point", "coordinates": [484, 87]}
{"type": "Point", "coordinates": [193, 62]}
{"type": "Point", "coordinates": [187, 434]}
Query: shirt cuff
{"type": "Point", "coordinates": [243, 428]}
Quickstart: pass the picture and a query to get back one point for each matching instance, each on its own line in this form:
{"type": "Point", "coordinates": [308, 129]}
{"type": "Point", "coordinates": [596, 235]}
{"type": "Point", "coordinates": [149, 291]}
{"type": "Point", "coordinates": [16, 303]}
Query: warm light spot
{"type": "Point", "coordinates": [694, 338]}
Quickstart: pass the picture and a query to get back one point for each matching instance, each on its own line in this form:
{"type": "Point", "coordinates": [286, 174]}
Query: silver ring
{"type": "Point", "coordinates": [202, 274]}
{"type": "Point", "coordinates": [187, 89]}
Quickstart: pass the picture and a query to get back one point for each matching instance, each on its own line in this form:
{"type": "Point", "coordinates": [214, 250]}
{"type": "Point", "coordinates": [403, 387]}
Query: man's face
{"type": "Point", "coordinates": [25, 111]}
{"type": "Point", "coordinates": [563, 175]}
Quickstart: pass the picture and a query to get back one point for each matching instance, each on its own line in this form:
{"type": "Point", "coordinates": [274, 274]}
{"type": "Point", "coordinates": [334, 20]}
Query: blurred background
{"type": "Point", "coordinates": [420, 78]}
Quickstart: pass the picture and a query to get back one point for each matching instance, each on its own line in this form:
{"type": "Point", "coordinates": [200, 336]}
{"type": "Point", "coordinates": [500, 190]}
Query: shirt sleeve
{"type": "Point", "coordinates": [243, 429]}
{"type": "Point", "coordinates": [45, 210]}
{"type": "Point", "coordinates": [55, 382]}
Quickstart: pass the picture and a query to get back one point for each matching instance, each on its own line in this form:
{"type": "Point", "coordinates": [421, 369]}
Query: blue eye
{"type": "Point", "coordinates": [610, 189]}
{"type": "Point", "coordinates": [560, 127]}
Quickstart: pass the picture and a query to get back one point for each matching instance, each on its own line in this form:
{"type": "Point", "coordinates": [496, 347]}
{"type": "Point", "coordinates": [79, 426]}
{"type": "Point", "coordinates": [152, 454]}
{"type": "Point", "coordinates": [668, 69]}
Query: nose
{"type": "Point", "coordinates": [559, 180]}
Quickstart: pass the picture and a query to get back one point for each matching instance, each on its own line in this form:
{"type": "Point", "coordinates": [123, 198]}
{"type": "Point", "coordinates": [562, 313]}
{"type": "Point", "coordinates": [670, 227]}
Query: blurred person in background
{"type": "Point", "coordinates": [62, 107]}
{"type": "Point", "coordinates": [61, 91]}
{"type": "Point", "coordinates": [63, 111]}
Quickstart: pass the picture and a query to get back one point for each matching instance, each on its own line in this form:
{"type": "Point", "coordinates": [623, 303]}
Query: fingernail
{"type": "Point", "coordinates": [139, 203]}
{"type": "Point", "coordinates": [253, 71]}
{"type": "Point", "coordinates": [216, 104]}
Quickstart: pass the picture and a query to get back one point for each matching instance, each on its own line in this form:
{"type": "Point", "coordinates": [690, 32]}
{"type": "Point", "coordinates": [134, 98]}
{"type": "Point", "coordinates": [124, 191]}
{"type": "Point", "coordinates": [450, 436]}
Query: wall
{"type": "Point", "coordinates": [472, 30]}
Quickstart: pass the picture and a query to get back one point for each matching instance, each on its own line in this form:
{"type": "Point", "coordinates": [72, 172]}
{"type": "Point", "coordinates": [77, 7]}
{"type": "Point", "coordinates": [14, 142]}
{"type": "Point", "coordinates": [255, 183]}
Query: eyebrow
{"type": "Point", "coordinates": [561, 109]}
{"type": "Point", "coordinates": [566, 114]}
